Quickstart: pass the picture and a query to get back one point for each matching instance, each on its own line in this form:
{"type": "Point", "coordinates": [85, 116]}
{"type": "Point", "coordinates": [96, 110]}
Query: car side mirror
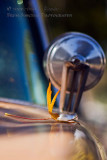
{"type": "Point", "coordinates": [74, 62]}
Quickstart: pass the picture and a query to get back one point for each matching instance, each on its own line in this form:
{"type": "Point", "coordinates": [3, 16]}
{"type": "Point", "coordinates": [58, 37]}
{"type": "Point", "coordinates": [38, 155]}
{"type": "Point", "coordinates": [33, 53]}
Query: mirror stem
{"type": "Point", "coordinates": [81, 71]}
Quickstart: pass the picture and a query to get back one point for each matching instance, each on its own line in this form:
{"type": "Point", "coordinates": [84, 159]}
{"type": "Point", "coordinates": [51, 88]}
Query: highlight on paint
{"type": "Point", "coordinates": [50, 105]}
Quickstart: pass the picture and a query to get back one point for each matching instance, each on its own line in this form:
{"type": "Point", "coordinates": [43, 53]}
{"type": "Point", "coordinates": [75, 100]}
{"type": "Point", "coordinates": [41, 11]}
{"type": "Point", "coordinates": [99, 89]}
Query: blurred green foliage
{"type": "Point", "coordinates": [89, 17]}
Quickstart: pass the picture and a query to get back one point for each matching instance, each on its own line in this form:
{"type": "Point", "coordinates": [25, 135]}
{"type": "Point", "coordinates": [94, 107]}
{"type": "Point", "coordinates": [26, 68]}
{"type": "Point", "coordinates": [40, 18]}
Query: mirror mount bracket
{"type": "Point", "coordinates": [80, 71]}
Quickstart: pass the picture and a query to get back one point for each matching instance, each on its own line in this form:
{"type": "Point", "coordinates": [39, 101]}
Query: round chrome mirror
{"type": "Point", "coordinates": [69, 46]}
{"type": "Point", "coordinates": [74, 62]}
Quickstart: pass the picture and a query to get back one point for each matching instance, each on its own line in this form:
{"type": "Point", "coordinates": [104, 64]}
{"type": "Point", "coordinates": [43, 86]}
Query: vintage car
{"type": "Point", "coordinates": [30, 128]}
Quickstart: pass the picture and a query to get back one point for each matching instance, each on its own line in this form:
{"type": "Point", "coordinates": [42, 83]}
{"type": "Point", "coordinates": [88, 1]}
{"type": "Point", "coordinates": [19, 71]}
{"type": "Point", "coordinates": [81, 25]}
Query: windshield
{"type": "Point", "coordinates": [21, 72]}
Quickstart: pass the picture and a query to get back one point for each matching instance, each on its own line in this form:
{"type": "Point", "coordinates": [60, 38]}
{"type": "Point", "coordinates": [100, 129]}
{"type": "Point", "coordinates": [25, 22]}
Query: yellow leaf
{"type": "Point", "coordinates": [49, 103]}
